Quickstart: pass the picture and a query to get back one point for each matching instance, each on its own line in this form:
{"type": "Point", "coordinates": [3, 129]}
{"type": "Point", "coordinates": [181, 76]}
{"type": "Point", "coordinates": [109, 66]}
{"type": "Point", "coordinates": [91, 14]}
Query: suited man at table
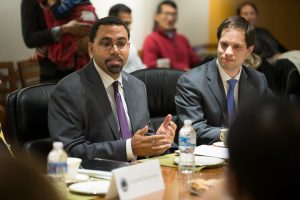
{"type": "Point", "coordinates": [210, 94]}
{"type": "Point", "coordinates": [101, 111]}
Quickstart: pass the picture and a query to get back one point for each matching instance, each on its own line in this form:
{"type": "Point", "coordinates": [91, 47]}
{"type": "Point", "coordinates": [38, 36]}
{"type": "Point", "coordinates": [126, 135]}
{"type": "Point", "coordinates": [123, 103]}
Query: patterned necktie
{"type": "Point", "coordinates": [124, 129]}
{"type": "Point", "coordinates": [230, 100]}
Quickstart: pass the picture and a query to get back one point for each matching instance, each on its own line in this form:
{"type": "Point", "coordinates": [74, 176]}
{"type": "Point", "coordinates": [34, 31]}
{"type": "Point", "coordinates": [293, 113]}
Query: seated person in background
{"type": "Point", "coordinates": [102, 112]}
{"type": "Point", "coordinates": [210, 94]}
{"type": "Point", "coordinates": [20, 180]}
{"type": "Point", "coordinates": [71, 51]}
{"type": "Point", "coordinates": [36, 34]}
{"type": "Point", "coordinates": [277, 62]}
{"type": "Point", "coordinates": [266, 46]}
{"type": "Point", "coordinates": [165, 42]}
{"type": "Point", "coordinates": [134, 61]}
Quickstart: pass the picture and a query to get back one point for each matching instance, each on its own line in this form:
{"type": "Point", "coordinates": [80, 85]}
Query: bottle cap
{"type": "Point", "coordinates": [187, 122]}
{"type": "Point", "coordinates": [58, 145]}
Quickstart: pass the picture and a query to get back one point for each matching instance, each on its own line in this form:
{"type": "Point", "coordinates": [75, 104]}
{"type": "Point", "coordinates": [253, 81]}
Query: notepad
{"type": "Point", "coordinates": [100, 167]}
{"type": "Point", "coordinates": [212, 151]}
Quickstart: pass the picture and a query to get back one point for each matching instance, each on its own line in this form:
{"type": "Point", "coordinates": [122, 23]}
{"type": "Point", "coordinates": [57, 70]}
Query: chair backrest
{"type": "Point", "coordinates": [27, 118]}
{"type": "Point", "coordinates": [293, 85]}
{"type": "Point", "coordinates": [29, 72]}
{"type": "Point", "coordinates": [8, 79]}
{"type": "Point", "coordinates": [161, 89]}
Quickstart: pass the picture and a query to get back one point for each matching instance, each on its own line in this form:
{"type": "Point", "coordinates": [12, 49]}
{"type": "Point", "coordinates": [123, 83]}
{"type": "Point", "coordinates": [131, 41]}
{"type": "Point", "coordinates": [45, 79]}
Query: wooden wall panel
{"type": "Point", "coordinates": [282, 18]}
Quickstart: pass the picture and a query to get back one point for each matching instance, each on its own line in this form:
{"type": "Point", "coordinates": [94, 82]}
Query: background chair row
{"type": "Point", "coordinates": [27, 71]}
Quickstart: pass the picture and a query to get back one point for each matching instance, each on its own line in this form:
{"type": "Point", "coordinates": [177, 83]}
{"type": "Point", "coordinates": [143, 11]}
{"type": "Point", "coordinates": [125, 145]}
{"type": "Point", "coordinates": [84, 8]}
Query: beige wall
{"type": "Point", "coordinates": [193, 20]}
{"type": "Point", "coordinates": [12, 47]}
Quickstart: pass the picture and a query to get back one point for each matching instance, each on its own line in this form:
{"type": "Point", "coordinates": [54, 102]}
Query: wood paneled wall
{"type": "Point", "coordinates": [282, 18]}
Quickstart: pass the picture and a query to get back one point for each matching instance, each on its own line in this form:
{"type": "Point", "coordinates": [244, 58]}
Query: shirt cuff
{"type": "Point", "coordinates": [55, 31]}
{"type": "Point", "coordinates": [129, 152]}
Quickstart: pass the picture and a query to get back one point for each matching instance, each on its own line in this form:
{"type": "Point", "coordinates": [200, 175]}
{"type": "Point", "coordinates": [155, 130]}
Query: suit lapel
{"type": "Point", "coordinates": [216, 87]}
{"type": "Point", "coordinates": [130, 99]}
{"type": "Point", "coordinates": [246, 88]}
{"type": "Point", "coordinates": [96, 84]}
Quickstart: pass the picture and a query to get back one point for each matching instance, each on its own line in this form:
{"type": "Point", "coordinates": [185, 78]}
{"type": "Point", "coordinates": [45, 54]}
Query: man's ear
{"type": "Point", "coordinates": [90, 49]}
{"type": "Point", "coordinates": [250, 49]}
{"type": "Point", "coordinates": [156, 17]}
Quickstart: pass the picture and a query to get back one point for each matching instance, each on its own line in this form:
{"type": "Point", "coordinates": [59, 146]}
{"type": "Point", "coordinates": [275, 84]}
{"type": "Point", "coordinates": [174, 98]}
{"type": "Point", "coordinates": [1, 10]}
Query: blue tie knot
{"type": "Point", "coordinates": [232, 83]}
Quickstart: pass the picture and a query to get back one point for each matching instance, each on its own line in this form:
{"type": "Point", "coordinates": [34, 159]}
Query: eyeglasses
{"type": "Point", "coordinates": [108, 45]}
{"type": "Point", "coordinates": [166, 14]}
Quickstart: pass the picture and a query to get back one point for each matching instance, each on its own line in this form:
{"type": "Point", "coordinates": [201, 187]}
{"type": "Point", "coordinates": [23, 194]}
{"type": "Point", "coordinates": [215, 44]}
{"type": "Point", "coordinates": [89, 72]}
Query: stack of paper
{"type": "Point", "coordinates": [211, 151]}
{"type": "Point", "coordinates": [96, 173]}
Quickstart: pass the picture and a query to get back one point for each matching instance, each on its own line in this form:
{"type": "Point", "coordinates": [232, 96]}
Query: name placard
{"type": "Point", "coordinates": [136, 181]}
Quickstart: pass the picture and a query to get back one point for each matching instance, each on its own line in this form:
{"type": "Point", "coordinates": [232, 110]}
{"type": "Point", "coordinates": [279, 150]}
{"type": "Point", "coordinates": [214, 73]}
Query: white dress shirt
{"type": "Point", "coordinates": [225, 77]}
{"type": "Point", "coordinates": [107, 82]}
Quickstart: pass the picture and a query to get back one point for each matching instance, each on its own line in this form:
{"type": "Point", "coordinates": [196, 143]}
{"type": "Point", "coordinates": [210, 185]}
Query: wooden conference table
{"type": "Point", "coordinates": [175, 184]}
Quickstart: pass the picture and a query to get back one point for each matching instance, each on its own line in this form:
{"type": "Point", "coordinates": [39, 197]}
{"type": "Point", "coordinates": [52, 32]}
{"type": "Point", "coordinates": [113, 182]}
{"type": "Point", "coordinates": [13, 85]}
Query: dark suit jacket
{"type": "Point", "coordinates": [266, 45]}
{"type": "Point", "coordinates": [201, 97]}
{"type": "Point", "coordinates": [80, 114]}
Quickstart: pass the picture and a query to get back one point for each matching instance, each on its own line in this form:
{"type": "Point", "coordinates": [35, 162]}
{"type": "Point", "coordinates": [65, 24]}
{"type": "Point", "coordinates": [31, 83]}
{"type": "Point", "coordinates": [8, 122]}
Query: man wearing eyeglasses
{"type": "Point", "coordinates": [165, 42]}
{"type": "Point", "coordinates": [101, 111]}
{"type": "Point", "coordinates": [134, 61]}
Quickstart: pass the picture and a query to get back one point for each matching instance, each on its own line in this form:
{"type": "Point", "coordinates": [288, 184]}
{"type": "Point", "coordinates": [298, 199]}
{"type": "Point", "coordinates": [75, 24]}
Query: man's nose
{"type": "Point", "coordinates": [114, 49]}
{"type": "Point", "coordinates": [228, 50]}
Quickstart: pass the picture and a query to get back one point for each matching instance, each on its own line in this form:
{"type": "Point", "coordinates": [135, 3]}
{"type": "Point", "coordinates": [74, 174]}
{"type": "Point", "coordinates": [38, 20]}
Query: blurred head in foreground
{"type": "Point", "coordinates": [263, 143]}
{"type": "Point", "coordinates": [20, 180]}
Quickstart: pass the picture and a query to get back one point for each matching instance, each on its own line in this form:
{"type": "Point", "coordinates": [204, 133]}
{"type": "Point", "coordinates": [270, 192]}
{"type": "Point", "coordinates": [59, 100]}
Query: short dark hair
{"type": "Point", "coordinates": [169, 3]}
{"type": "Point", "coordinates": [263, 141]}
{"type": "Point", "coordinates": [240, 23]}
{"type": "Point", "coordinates": [246, 3]}
{"type": "Point", "coordinates": [116, 9]}
{"type": "Point", "coordinates": [106, 21]}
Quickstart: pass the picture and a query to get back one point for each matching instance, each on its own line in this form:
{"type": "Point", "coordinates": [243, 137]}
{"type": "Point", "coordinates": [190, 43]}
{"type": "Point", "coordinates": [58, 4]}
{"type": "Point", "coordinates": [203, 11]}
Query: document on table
{"type": "Point", "coordinates": [212, 151]}
{"type": "Point", "coordinates": [96, 173]}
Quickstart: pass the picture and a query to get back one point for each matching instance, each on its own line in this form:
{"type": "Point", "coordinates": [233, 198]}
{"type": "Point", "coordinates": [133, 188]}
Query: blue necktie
{"type": "Point", "coordinates": [230, 100]}
{"type": "Point", "coordinates": [124, 129]}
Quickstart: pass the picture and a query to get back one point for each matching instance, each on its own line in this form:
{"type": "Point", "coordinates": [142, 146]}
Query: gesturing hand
{"type": "Point", "coordinates": [168, 128]}
{"type": "Point", "coordinates": [149, 145]}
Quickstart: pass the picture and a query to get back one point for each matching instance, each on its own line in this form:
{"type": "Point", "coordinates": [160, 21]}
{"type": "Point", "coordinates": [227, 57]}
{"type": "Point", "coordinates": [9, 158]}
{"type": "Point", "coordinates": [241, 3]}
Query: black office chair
{"type": "Point", "coordinates": [161, 88]}
{"type": "Point", "coordinates": [293, 85]}
{"type": "Point", "coordinates": [27, 121]}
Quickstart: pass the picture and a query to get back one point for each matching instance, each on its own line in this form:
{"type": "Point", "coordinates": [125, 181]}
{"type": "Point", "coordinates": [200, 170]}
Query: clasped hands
{"type": "Point", "coordinates": [75, 27]}
{"type": "Point", "coordinates": [154, 144]}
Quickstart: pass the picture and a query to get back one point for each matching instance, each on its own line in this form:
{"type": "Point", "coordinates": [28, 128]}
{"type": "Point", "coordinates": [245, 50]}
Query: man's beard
{"type": "Point", "coordinates": [115, 69]}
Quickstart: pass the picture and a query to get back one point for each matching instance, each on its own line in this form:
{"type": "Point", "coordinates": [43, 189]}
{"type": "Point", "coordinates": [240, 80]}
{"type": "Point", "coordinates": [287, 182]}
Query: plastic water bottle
{"type": "Point", "coordinates": [187, 144]}
{"type": "Point", "coordinates": [57, 168]}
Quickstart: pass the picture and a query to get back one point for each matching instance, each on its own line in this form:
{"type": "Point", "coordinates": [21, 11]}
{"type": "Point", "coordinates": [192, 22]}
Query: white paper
{"type": "Point", "coordinates": [212, 151]}
{"type": "Point", "coordinates": [88, 16]}
{"type": "Point", "coordinates": [96, 173]}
